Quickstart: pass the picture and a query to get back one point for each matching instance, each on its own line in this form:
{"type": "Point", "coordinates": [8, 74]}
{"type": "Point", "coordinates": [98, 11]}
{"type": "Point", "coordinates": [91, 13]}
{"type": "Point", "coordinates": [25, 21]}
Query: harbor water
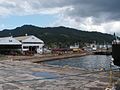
{"type": "Point", "coordinates": [90, 62]}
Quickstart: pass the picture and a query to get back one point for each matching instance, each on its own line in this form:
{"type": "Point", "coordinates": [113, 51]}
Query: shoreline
{"type": "Point", "coordinates": [59, 57]}
{"type": "Point", "coordinates": [34, 75]}
{"type": "Point", "coordinates": [22, 75]}
{"type": "Point", "coordinates": [43, 58]}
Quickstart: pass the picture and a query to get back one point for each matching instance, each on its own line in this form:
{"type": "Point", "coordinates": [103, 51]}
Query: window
{"type": "Point", "coordinates": [33, 43]}
{"type": "Point", "coordinates": [25, 47]}
{"type": "Point", "coordinates": [33, 38]}
{"type": "Point", "coordinates": [10, 40]}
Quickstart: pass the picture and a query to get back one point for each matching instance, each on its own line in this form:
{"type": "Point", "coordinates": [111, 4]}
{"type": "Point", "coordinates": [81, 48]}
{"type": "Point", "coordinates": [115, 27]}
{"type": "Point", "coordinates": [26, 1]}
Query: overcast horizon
{"type": "Point", "coordinates": [89, 15]}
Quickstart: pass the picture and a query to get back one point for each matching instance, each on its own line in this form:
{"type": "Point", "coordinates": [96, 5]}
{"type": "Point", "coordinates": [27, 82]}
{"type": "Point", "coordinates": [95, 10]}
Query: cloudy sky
{"type": "Point", "coordinates": [89, 15]}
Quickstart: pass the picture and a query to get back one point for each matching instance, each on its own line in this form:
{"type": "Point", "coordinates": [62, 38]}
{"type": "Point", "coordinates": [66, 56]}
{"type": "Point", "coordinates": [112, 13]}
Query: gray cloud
{"type": "Point", "coordinates": [100, 10]}
{"type": "Point", "coordinates": [75, 13]}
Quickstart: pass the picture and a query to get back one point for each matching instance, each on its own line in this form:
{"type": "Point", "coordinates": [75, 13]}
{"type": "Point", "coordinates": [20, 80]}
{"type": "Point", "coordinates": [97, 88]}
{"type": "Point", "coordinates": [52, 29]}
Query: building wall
{"type": "Point", "coordinates": [39, 47]}
{"type": "Point", "coordinates": [33, 42]}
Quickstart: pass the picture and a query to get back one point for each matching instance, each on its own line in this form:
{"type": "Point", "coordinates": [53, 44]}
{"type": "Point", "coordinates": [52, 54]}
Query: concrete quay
{"type": "Point", "coordinates": [24, 75]}
{"type": "Point", "coordinates": [43, 58]}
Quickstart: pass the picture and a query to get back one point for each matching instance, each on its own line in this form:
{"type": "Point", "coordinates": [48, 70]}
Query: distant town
{"type": "Point", "coordinates": [29, 44]}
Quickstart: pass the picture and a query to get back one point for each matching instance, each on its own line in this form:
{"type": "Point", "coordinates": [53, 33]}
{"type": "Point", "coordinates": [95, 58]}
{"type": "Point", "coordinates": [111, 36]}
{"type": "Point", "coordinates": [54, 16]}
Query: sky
{"type": "Point", "coordinates": [89, 15]}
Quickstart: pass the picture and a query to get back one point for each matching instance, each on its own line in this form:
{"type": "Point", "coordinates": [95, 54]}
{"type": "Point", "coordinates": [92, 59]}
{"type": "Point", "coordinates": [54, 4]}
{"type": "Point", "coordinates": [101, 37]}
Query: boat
{"type": "Point", "coordinates": [116, 52]}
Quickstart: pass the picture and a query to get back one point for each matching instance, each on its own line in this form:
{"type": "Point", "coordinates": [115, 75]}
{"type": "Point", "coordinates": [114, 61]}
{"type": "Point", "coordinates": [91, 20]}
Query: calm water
{"type": "Point", "coordinates": [87, 62]}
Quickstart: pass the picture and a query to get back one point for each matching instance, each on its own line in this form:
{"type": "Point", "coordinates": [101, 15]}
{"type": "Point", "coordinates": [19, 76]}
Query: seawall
{"type": "Point", "coordinates": [43, 58]}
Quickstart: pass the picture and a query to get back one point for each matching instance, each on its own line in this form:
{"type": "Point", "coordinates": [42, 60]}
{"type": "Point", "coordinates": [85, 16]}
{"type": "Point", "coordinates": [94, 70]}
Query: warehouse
{"type": "Point", "coordinates": [31, 44]}
{"type": "Point", "coordinates": [9, 45]}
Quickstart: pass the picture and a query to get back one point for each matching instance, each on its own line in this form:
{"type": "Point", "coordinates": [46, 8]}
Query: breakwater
{"type": "Point", "coordinates": [43, 58]}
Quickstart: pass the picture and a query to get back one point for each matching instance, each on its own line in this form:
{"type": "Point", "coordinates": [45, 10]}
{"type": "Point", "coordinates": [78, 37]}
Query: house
{"type": "Point", "coordinates": [9, 44]}
{"type": "Point", "coordinates": [74, 46]}
{"type": "Point", "coordinates": [93, 46]}
{"type": "Point", "coordinates": [31, 43]}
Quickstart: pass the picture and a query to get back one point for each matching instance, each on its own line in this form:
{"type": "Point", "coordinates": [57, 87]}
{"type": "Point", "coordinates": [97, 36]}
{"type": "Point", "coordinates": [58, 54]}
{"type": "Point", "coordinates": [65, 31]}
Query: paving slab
{"type": "Point", "coordinates": [24, 75]}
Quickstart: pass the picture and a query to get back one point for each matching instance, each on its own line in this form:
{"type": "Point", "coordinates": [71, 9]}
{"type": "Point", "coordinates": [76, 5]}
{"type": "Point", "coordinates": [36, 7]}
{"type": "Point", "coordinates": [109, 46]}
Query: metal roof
{"type": "Point", "coordinates": [9, 41]}
{"type": "Point", "coordinates": [30, 38]}
{"type": "Point", "coordinates": [21, 38]}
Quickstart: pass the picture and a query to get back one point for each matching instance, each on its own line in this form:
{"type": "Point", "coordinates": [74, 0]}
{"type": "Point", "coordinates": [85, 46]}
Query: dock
{"type": "Point", "coordinates": [24, 75]}
{"type": "Point", "coordinates": [43, 58]}
{"type": "Point", "coordinates": [102, 52]}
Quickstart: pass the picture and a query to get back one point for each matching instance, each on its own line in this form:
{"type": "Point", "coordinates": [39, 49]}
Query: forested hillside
{"type": "Point", "coordinates": [59, 35]}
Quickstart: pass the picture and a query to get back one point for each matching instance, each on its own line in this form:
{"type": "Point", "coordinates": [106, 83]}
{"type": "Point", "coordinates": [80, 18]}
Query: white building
{"type": "Point", "coordinates": [93, 47]}
{"type": "Point", "coordinates": [9, 41]}
{"type": "Point", "coordinates": [31, 43]}
{"type": "Point", "coordinates": [9, 44]}
{"type": "Point", "coordinates": [74, 46]}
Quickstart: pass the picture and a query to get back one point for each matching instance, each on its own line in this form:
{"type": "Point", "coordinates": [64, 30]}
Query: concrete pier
{"type": "Point", "coordinates": [43, 58]}
{"type": "Point", "coordinates": [24, 75]}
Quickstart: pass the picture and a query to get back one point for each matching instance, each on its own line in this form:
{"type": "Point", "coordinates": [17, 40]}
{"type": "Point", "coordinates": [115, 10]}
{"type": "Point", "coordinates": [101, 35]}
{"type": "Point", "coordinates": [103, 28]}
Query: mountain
{"type": "Point", "coordinates": [59, 35]}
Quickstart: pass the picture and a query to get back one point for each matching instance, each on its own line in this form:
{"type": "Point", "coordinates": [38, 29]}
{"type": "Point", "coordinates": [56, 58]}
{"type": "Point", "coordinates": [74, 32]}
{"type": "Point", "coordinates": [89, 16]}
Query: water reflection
{"type": "Point", "coordinates": [87, 62]}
